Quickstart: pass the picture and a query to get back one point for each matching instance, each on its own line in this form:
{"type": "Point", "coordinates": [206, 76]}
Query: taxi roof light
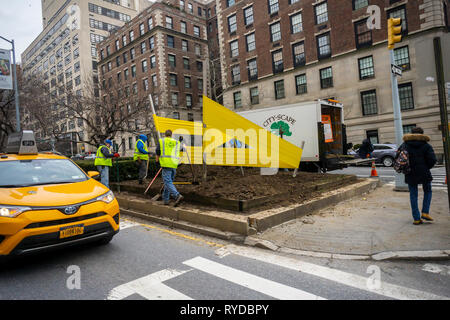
{"type": "Point", "coordinates": [22, 143]}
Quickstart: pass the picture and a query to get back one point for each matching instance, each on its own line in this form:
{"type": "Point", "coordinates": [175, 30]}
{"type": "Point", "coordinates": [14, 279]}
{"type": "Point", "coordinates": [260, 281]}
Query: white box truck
{"type": "Point", "coordinates": [319, 124]}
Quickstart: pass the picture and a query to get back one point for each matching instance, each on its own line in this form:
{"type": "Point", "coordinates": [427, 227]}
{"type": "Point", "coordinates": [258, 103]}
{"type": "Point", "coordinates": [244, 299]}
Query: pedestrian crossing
{"type": "Point", "coordinates": [156, 286]}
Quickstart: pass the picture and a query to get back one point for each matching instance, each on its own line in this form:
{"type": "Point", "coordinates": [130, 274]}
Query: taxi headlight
{"type": "Point", "coordinates": [12, 211]}
{"type": "Point", "coordinates": [107, 197]}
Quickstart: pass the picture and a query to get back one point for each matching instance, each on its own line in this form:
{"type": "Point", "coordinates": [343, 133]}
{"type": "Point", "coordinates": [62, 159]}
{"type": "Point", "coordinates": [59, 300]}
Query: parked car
{"type": "Point", "coordinates": [78, 156]}
{"type": "Point", "coordinates": [90, 157]}
{"type": "Point", "coordinates": [383, 153]}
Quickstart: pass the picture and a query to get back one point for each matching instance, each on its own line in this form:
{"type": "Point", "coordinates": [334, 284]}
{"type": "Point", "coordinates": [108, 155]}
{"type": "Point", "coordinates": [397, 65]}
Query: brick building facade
{"type": "Point", "coordinates": [278, 52]}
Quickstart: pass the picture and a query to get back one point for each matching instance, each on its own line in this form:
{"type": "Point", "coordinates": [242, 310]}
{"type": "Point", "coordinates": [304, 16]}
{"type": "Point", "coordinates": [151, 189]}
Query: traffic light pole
{"type": "Point", "coordinates": [400, 184]}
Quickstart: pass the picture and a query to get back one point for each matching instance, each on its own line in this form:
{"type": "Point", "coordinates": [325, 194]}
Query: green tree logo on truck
{"type": "Point", "coordinates": [281, 128]}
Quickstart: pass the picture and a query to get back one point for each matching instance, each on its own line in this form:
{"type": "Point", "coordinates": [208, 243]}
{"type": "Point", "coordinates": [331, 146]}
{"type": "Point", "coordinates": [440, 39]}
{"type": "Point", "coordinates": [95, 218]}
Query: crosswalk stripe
{"type": "Point", "coordinates": [352, 280]}
{"type": "Point", "coordinates": [267, 287]}
{"type": "Point", "coordinates": [150, 287]}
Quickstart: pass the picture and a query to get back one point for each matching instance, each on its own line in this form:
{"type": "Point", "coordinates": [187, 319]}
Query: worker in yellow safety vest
{"type": "Point", "coordinates": [168, 155]}
{"type": "Point", "coordinates": [103, 161]}
{"type": "Point", "coordinates": [141, 156]}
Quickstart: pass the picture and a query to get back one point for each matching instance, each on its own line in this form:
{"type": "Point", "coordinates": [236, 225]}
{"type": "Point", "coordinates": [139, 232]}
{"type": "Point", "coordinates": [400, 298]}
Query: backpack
{"type": "Point", "coordinates": [401, 163]}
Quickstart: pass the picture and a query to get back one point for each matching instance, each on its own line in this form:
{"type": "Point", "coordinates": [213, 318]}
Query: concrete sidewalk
{"type": "Point", "coordinates": [377, 225]}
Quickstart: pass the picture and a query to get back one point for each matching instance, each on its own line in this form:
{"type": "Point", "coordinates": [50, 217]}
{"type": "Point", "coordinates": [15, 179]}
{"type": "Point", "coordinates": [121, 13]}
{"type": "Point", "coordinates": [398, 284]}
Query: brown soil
{"type": "Point", "coordinates": [228, 183]}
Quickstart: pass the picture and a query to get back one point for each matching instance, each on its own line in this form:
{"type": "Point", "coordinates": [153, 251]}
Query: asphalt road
{"type": "Point", "coordinates": [147, 261]}
{"type": "Point", "coordinates": [387, 174]}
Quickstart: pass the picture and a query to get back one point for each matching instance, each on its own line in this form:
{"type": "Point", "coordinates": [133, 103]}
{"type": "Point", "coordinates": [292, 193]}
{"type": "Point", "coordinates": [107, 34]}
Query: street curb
{"type": "Point", "coordinates": [381, 256]}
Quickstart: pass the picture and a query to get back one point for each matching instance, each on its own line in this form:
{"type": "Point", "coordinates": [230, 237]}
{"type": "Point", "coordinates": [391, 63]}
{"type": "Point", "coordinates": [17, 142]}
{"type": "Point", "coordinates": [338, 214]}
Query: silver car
{"type": "Point", "coordinates": [383, 153]}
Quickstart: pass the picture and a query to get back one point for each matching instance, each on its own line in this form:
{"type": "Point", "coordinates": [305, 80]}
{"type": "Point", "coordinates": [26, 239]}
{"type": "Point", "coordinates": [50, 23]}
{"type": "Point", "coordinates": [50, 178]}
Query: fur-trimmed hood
{"type": "Point", "coordinates": [416, 137]}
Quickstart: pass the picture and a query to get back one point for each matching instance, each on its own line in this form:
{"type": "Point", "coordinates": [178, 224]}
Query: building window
{"type": "Point", "coordinates": [197, 49]}
{"type": "Point", "coordinates": [324, 46]}
{"type": "Point", "coordinates": [175, 99]}
{"type": "Point", "coordinates": [151, 41]}
{"type": "Point", "coordinates": [173, 80]}
{"type": "Point", "coordinates": [154, 82]}
{"type": "Point", "coordinates": [321, 13]}
{"type": "Point", "coordinates": [132, 53]}
{"type": "Point", "coordinates": [279, 89]}
{"type": "Point", "coordinates": [402, 58]}
{"type": "Point", "coordinates": [169, 22]}
{"type": "Point", "coordinates": [141, 29]}
{"type": "Point", "coordinates": [172, 61]}
{"type": "Point", "coordinates": [366, 68]}
{"type": "Point", "coordinates": [300, 84]}
{"type": "Point", "coordinates": [230, 3]}
{"type": "Point", "coordinates": [189, 101]}
{"type": "Point", "coordinates": [237, 100]}
{"type": "Point", "coordinates": [236, 74]}
{"type": "Point", "coordinates": [251, 42]}
{"type": "Point", "coordinates": [144, 66]}
{"type": "Point", "coordinates": [190, 8]}
{"type": "Point", "coordinates": [274, 6]}
{"type": "Point", "coordinates": [277, 61]}
{"type": "Point", "coordinates": [248, 15]}
{"type": "Point", "coordinates": [117, 45]}
{"type": "Point", "coordinates": [296, 23]}
{"type": "Point", "coordinates": [199, 66]}
{"type": "Point", "coordinates": [124, 40]}
{"type": "Point", "coordinates": [143, 47]}
{"type": "Point", "coordinates": [369, 102]}
{"type": "Point", "coordinates": [196, 31]}
{"type": "Point", "coordinates": [363, 34]}
{"type": "Point", "coordinates": [145, 84]}
{"type": "Point", "coordinates": [200, 85]}
{"type": "Point", "coordinates": [131, 35]}
{"type": "Point", "coordinates": [186, 64]}
{"type": "Point", "coordinates": [153, 62]}
{"type": "Point", "coordinates": [372, 135]}
{"type": "Point", "coordinates": [133, 71]}
{"type": "Point", "coordinates": [125, 57]}
{"type": "Point", "coordinates": [359, 4]}
{"type": "Point", "coordinates": [176, 115]}
{"type": "Point", "coordinates": [150, 23]}
{"type": "Point", "coordinates": [275, 32]}
{"type": "Point", "coordinates": [187, 82]}
{"type": "Point", "coordinates": [191, 118]}
{"type": "Point", "coordinates": [326, 78]}
{"type": "Point", "coordinates": [405, 92]}
{"type": "Point", "coordinates": [400, 13]}
{"type": "Point", "coordinates": [254, 95]}
{"type": "Point", "coordinates": [252, 69]}
{"type": "Point", "coordinates": [408, 128]}
{"type": "Point", "coordinates": [183, 26]}
{"type": "Point", "coordinates": [298, 51]}
{"type": "Point", "coordinates": [184, 45]}
{"type": "Point", "coordinates": [170, 41]}
{"type": "Point", "coordinates": [232, 24]}
{"type": "Point", "coordinates": [234, 48]}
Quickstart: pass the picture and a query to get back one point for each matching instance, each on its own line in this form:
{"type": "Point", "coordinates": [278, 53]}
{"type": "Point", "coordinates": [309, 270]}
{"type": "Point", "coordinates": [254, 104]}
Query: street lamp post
{"type": "Point", "coordinates": [16, 88]}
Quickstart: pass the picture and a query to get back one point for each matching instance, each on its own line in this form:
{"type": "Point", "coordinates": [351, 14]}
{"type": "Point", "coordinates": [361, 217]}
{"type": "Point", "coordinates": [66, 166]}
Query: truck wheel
{"type": "Point", "coordinates": [388, 161]}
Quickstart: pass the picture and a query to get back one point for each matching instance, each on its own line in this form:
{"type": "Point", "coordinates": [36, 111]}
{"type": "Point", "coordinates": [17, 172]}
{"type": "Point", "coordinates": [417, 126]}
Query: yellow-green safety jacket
{"type": "Point", "coordinates": [100, 159]}
{"type": "Point", "coordinates": [137, 154]}
{"type": "Point", "coordinates": [170, 153]}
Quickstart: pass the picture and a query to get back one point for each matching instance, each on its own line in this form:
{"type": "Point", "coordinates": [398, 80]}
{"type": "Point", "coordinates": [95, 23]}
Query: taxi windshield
{"type": "Point", "coordinates": [25, 173]}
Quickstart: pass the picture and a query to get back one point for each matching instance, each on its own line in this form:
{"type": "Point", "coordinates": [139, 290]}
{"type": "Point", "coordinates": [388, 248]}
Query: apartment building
{"type": "Point", "coordinates": [65, 52]}
{"type": "Point", "coordinates": [279, 52]}
{"type": "Point", "coordinates": [163, 52]}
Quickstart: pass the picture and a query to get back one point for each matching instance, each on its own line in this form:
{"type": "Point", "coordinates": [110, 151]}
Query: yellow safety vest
{"type": "Point", "coordinates": [100, 159]}
{"type": "Point", "coordinates": [170, 153]}
{"type": "Point", "coordinates": [138, 154]}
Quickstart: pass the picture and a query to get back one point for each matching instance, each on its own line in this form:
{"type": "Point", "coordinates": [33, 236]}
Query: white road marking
{"type": "Point", "coordinates": [436, 268]}
{"type": "Point", "coordinates": [125, 224]}
{"type": "Point", "coordinates": [352, 280]}
{"type": "Point", "coordinates": [267, 287]}
{"type": "Point", "coordinates": [150, 287]}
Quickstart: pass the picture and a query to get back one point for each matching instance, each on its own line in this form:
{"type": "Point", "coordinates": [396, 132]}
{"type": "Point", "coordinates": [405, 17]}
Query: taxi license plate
{"type": "Point", "coordinates": [71, 231]}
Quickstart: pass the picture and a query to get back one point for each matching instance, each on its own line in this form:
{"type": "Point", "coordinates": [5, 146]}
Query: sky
{"type": "Point", "coordinates": [21, 21]}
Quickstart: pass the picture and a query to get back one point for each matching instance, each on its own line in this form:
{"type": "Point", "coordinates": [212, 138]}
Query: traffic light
{"type": "Point", "coordinates": [394, 32]}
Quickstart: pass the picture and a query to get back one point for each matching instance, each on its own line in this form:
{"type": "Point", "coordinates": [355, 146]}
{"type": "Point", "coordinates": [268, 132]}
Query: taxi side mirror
{"type": "Point", "coordinates": [93, 174]}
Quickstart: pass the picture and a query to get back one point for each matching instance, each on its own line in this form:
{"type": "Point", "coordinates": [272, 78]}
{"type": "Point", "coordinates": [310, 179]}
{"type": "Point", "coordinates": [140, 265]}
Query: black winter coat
{"type": "Point", "coordinates": [421, 158]}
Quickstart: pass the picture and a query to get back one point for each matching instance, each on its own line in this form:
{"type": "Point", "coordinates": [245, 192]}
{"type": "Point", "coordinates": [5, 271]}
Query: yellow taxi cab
{"type": "Point", "coordinates": [48, 202]}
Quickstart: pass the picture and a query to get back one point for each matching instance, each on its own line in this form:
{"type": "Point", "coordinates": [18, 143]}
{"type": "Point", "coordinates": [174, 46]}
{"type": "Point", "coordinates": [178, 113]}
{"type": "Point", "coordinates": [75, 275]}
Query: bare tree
{"type": "Point", "coordinates": [7, 116]}
{"type": "Point", "coordinates": [99, 111]}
